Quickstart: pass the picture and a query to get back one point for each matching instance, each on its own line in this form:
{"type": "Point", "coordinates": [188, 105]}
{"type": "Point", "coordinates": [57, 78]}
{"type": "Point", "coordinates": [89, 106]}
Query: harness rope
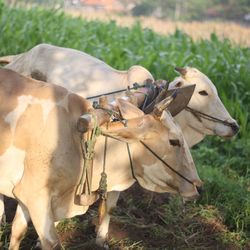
{"type": "Point", "coordinates": [125, 123]}
{"type": "Point", "coordinates": [131, 162]}
{"type": "Point", "coordinates": [102, 190]}
{"type": "Point", "coordinates": [83, 190]}
{"type": "Point", "coordinates": [199, 114]}
{"type": "Point", "coordinates": [165, 163]}
{"type": "Point", "coordinates": [135, 86]}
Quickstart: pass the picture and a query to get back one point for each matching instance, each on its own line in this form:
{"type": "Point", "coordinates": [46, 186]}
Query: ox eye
{"type": "Point", "coordinates": [203, 92]}
{"type": "Point", "coordinates": [175, 142]}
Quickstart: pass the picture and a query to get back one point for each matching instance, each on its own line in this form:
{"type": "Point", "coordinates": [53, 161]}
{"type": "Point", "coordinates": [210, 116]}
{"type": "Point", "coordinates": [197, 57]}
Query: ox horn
{"type": "Point", "coordinates": [175, 100]}
{"type": "Point", "coordinates": [85, 122]}
{"type": "Point", "coordinates": [161, 106]}
{"type": "Point", "coordinates": [161, 83]}
{"type": "Point", "coordinates": [182, 71]}
{"type": "Point", "coordinates": [182, 99]}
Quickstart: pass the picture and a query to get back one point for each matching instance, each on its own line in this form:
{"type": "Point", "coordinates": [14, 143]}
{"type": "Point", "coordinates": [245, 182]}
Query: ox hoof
{"type": "Point", "coordinates": [38, 245]}
{"type": "Point", "coordinates": [102, 243]}
{"type": "Point", "coordinates": [3, 219]}
{"type": "Point", "coordinates": [105, 245]}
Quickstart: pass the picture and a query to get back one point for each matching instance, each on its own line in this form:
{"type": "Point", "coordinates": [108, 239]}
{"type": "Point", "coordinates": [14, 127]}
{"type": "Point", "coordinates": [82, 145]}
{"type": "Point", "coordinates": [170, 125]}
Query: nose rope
{"type": "Point", "coordinates": [131, 162]}
{"type": "Point", "coordinates": [199, 114]}
{"type": "Point", "coordinates": [155, 154]}
{"type": "Point", "coordinates": [166, 164]}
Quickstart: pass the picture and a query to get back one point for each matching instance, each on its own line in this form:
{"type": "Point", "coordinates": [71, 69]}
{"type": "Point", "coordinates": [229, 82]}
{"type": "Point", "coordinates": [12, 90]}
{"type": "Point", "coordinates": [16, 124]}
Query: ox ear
{"type": "Point", "coordinates": [182, 71]}
{"type": "Point", "coordinates": [162, 105]}
{"type": "Point", "coordinates": [128, 110]}
{"type": "Point", "coordinates": [128, 134]}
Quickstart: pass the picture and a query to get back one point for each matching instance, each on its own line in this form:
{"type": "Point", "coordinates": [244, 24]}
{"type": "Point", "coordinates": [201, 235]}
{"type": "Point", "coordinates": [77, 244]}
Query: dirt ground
{"type": "Point", "coordinates": [142, 220]}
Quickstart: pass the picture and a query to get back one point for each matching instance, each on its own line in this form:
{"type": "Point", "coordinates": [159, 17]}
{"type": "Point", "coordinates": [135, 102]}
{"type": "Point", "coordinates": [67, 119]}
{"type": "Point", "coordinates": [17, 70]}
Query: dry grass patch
{"type": "Point", "coordinates": [236, 33]}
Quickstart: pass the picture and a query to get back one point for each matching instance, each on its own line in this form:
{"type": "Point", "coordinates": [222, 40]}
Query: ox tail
{"type": "Point", "coordinates": [9, 59]}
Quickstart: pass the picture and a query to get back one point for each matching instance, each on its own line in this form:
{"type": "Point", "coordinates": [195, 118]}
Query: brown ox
{"type": "Point", "coordinates": [41, 161]}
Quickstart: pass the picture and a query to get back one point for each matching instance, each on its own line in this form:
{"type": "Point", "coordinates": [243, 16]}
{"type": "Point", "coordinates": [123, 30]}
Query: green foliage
{"type": "Point", "coordinates": [224, 168]}
{"type": "Point", "coordinates": [223, 165]}
{"type": "Point", "coordinates": [225, 188]}
{"type": "Point", "coordinates": [1, 6]}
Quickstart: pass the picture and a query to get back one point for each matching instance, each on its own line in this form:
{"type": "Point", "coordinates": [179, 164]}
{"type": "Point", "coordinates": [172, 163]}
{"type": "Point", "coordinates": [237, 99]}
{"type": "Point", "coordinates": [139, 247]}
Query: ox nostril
{"type": "Point", "coordinates": [200, 190]}
{"type": "Point", "coordinates": [235, 127]}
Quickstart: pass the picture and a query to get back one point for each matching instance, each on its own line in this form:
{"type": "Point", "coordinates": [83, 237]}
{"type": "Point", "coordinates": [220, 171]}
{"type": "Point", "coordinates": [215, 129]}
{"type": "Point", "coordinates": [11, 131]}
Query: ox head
{"type": "Point", "coordinates": [159, 132]}
{"type": "Point", "coordinates": [206, 100]}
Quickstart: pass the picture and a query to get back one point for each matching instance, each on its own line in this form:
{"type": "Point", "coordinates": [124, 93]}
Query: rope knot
{"type": "Point", "coordinates": [103, 185]}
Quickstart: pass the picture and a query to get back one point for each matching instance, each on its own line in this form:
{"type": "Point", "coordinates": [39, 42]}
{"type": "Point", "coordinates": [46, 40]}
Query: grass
{"type": "Point", "coordinates": [223, 165]}
{"type": "Point", "coordinates": [238, 34]}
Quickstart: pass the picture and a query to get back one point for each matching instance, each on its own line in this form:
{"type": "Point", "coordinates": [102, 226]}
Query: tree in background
{"type": "Point", "coordinates": [184, 10]}
{"type": "Point", "coordinates": [48, 3]}
{"type": "Point", "coordinates": [193, 9]}
{"type": "Point", "coordinates": [229, 9]}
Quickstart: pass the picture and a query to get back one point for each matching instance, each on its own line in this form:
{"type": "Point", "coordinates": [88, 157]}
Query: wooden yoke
{"type": "Point", "coordinates": [88, 121]}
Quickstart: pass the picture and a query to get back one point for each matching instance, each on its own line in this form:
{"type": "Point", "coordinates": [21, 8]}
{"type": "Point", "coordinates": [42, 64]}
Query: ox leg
{"type": "Point", "coordinates": [38, 242]}
{"type": "Point", "coordinates": [2, 215]}
{"type": "Point", "coordinates": [19, 227]}
{"type": "Point", "coordinates": [102, 229]}
{"type": "Point", "coordinates": [43, 221]}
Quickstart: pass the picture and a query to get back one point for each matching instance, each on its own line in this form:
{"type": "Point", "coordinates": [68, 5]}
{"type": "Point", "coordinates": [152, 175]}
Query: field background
{"type": "Point", "coordinates": [238, 34]}
{"type": "Point", "coordinates": [221, 218]}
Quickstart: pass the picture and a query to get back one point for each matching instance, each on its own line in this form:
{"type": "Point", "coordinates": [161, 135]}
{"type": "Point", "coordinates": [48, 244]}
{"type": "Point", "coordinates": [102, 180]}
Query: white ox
{"type": "Point", "coordinates": [74, 70]}
{"type": "Point", "coordinates": [41, 161]}
{"type": "Point", "coordinates": [205, 100]}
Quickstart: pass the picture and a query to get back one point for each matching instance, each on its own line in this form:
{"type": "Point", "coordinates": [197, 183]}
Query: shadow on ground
{"type": "Point", "coordinates": [142, 220]}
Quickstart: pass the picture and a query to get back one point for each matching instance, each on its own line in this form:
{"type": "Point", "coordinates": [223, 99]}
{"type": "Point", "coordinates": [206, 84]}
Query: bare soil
{"type": "Point", "coordinates": [142, 220]}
